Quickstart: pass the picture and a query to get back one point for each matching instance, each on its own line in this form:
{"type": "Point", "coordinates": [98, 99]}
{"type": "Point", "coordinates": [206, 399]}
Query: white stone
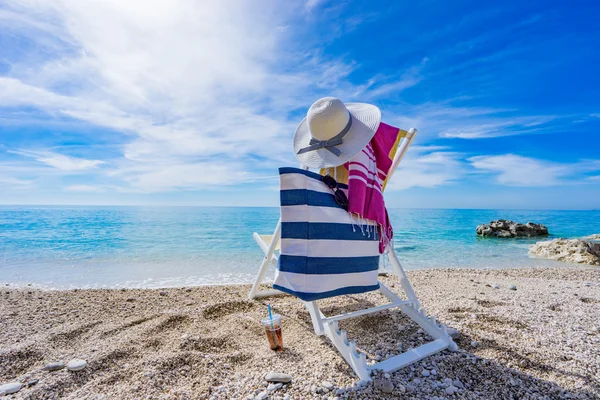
{"type": "Point", "coordinates": [458, 384]}
{"type": "Point", "coordinates": [474, 343]}
{"type": "Point", "coordinates": [512, 286]}
{"type": "Point", "coordinates": [262, 395]}
{"type": "Point", "coordinates": [496, 286]}
{"type": "Point", "coordinates": [450, 390]}
{"type": "Point", "coordinates": [274, 386]}
{"type": "Point", "coordinates": [453, 332]}
{"type": "Point", "coordinates": [76, 364]}
{"type": "Point", "coordinates": [433, 372]}
{"type": "Point", "coordinates": [55, 366]}
{"type": "Point", "coordinates": [425, 373]}
{"type": "Point", "coordinates": [278, 377]}
{"type": "Point", "coordinates": [327, 385]}
{"type": "Point", "coordinates": [10, 388]}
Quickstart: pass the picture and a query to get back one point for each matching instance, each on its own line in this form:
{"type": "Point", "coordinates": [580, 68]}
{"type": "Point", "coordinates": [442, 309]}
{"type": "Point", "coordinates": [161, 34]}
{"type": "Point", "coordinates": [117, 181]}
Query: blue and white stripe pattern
{"type": "Point", "coordinates": [325, 252]}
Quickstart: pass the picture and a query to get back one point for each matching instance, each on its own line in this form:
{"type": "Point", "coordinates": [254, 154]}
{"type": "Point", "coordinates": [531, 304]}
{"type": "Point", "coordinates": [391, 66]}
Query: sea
{"type": "Point", "coordinates": [60, 247]}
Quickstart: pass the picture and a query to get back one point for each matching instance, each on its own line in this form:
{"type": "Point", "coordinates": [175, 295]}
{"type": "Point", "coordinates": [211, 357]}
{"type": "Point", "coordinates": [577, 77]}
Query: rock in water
{"type": "Point", "coordinates": [278, 377]}
{"type": "Point", "coordinates": [55, 366]}
{"type": "Point", "coordinates": [509, 229]}
{"type": "Point", "coordinates": [76, 365]}
{"type": "Point", "coordinates": [568, 250]}
{"type": "Point", "coordinates": [10, 388]}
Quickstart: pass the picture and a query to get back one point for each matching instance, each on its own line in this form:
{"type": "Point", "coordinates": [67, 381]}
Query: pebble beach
{"type": "Point", "coordinates": [522, 334]}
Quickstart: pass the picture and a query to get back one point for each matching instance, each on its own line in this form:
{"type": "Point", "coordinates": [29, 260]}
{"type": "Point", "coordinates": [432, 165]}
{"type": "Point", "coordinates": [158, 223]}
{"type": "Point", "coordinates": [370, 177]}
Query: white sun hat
{"type": "Point", "coordinates": [333, 132]}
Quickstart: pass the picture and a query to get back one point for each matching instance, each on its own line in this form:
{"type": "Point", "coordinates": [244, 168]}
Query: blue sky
{"type": "Point", "coordinates": [195, 103]}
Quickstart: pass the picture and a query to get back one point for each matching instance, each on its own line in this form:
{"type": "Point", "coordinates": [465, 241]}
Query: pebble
{"type": "Point", "coordinates": [450, 390]}
{"type": "Point", "coordinates": [433, 372]}
{"type": "Point", "coordinates": [425, 373]}
{"type": "Point", "coordinates": [162, 293]}
{"type": "Point", "coordinates": [327, 385]}
{"type": "Point", "coordinates": [262, 395]}
{"type": "Point", "coordinates": [458, 384]}
{"type": "Point", "coordinates": [274, 386]}
{"type": "Point", "coordinates": [474, 343]}
{"type": "Point", "coordinates": [10, 388]}
{"type": "Point", "coordinates": [400, 389]}
{"type": "Point", "coordinates": [340, 391]}
{"type": "Point", "coordinates": [496, 286]}
{"type": "Point", "coordinates": [278, 377]}
{"type": "Point", "coordinates": [33, 382]}
{"type": "Point", "coordinates": [512, 287]}
{"type": "Point", "coordinates": [453, 333]}
{"type": "Point", "coordinates": [384, 385]}
{"type": "Point", "coordinates": [55, 366]}
{"type": "Point", "coordinates": [76, 364]}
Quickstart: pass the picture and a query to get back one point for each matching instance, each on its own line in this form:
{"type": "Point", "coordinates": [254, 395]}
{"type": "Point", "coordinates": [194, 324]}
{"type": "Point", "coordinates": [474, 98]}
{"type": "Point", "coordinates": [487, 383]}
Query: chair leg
{"type": "Point", "coordinates": [264, 265]}
{"type": "Point", "coordinates": [404, 282]}
{"type": "Point", "coordinates": [315, 316]}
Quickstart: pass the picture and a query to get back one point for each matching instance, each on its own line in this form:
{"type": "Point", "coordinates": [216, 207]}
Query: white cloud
{"type": "Point", "coordinates": [7, 180]}
{"type": "Point", "coordinates": [443, 119]}
{"type": "Point", "coordinates": [182, 80]}
{"type": "Point", "coordinates": [60, 161]}
{"type": "Point", "coordinates": [312, 4]}
{"type": "Point", "coordinates": [84, 188]}
{"type": "Point", "coordinates": [428, 167]}
{"type": "Point", "coordinates": [515, 170]}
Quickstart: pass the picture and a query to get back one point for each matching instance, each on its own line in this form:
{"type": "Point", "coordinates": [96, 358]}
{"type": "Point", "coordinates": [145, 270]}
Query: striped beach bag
{"type": "Point", "coordinates": [325, 251]}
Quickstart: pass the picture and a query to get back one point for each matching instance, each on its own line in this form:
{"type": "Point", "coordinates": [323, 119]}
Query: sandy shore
{"type": "Point", "coordinates": [540, 341]}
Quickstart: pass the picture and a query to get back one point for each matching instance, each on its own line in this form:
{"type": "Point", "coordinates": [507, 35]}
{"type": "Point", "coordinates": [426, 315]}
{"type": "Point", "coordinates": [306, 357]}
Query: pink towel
{"type": "Point", "coordinates": [366, 173]}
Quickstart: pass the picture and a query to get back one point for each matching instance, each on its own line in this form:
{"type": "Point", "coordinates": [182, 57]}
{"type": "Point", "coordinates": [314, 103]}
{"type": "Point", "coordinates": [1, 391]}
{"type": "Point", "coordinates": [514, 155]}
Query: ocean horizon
{"type": "Point", "coordinates": [66, 247]}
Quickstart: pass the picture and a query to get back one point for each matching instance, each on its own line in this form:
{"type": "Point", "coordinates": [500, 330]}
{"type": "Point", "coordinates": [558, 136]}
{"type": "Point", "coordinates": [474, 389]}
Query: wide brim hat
{"type": "Point", "coordinates": [334, 132]}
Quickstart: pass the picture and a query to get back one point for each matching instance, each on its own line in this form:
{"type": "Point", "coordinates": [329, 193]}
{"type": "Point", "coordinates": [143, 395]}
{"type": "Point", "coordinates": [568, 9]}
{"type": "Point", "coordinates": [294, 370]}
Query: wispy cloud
{"type": "Point", "coordinates": [445, 120]}
{"type": "Point", "coordinates": [515, 170]}
{"type": "Point", "coordinates": [84, 189]}
{"type": "Point", "coordinates": [182, 81]}
{"type": "Point", "coordinates": [60, 161]}
{"type": "Point", "coordinates": [428, 167]}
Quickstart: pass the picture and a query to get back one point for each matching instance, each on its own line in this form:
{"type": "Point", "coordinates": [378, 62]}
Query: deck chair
{"type": "Point", "coordinates": [328, 325]}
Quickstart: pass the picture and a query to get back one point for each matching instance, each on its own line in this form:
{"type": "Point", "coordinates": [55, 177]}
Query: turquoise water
{"type": "Point", "coordinates": [84, 247]}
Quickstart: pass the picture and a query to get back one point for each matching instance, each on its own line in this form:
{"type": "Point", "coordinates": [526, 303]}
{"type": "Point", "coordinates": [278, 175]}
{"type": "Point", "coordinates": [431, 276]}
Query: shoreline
{"type": "Point", "coordinates": [542, 339]}
{"type": "Point", "coordinates": [548, 264]}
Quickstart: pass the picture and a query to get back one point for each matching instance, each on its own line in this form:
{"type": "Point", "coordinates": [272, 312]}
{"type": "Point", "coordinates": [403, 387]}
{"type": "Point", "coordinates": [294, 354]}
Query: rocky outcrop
{"type": "Point", "coordinates": [568, 250]}
{"type": "Point", "coordinates": [509, 229]}
{"type": "Point", "coordinates": [595, 237]}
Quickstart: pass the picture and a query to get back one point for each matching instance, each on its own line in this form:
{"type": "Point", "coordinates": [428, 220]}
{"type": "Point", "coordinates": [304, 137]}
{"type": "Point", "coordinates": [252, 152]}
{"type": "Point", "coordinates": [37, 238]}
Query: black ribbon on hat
{"type": "Point", "coordinates": [329, 144]}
